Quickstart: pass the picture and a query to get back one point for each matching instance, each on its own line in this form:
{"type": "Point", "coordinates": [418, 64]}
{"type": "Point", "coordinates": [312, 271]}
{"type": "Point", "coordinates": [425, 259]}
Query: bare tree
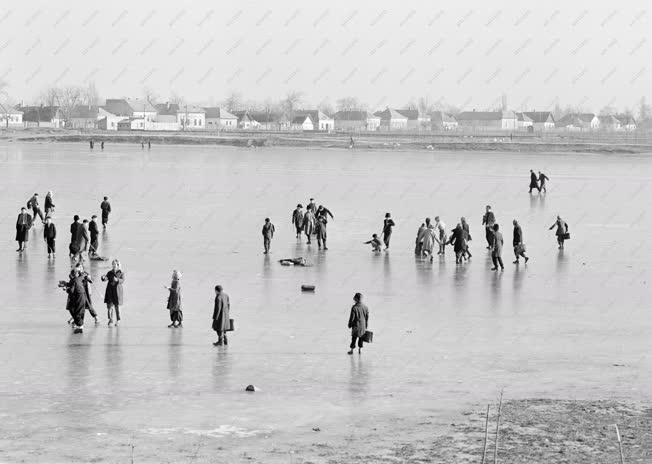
{"type": "Point", "coordinates": [643, 109]}
{"type": "Point", "coordinates": [607, 110]}
{"type": "Point", "coordinates": [233, 101]}
{"type": "Point", "coordinates": [69, 98]}
{"type": "Point", "coordinates": [89, 95]}
{"type": "Point", "coordinates": [348, 104]}
{"type": "Point", "coordinates": [425, 106]}
{"type": "Point", "coordinates": [291, 102]}
{"type": "Point", "coordinates": [149, 95]}
{"type": "Point", "coordinates": [326, 107]}
{"type": "Point", "coordinates": [177, 99]}
{"type": "Point", "coordinates": [49, 97]}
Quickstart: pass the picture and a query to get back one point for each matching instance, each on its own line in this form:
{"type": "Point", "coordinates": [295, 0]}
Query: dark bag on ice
{"type": "Point", "coordinates": [368, 337]}
{"type": "Point", "coordinates": [566, 236]}
{"type": "Point", "coordinates": [231, 326]}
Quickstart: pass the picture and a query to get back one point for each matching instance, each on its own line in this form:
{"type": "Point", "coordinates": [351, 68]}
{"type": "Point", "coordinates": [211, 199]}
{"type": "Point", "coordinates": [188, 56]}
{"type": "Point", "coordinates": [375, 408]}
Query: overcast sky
{"type": "Point", "coordinates": [465, 52]}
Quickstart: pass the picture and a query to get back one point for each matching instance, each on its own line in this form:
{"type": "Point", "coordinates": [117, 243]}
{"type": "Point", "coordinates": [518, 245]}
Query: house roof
{"type": "Point", "coordinates": [576, 119]}
{"type": "Point", "coordinates": [355, 115]}
{"type": "Point", "coordinates": [191, 109]}
{"type": "Point", "coordinates": [302, 119]}
{"type": "Point", "coordinates": [480, 115]}
{"type": "Point", "coordinates": [413, 115]}
{"type": "Point", "coordinates": [390, 114]}
{"type": "Point", "coordinates": [167, 109]}
{"type": "Point", "coordinates": [217, 112]}
{"type": "Point", "coordinates": [264, 117]}
{"type": "Point", "coordinates": [608, 119]}
{"type": "Point", "coordinates": [7, 109]}
{"type": "Point", "coordinates": [625, 119]}
{"type": "Point", "coordinates": [84, 112]}
{"type": "Point", "coordinates": [315, 115]}
{"type": "Point", "coordinates": [118, 106]}
{"type": "Point", "coordinates": [140, 105]}
{"type": "Point", "coordinates": [436, 116]}
{"type": "Point", "coordinates": [523, 117]}
{"type": "Point", "coordinates": [540, 116]}
{"type": "Point", "coordinates": [39, 113]}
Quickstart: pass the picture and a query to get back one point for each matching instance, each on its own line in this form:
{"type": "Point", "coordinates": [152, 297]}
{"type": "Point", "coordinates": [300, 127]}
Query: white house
{"type": "Point", "coordinates": [246, 120]}
{"type": "Point", "coordinates": [321, 121]}
{"type": "Point", "coordinates": [141, 108]}
{"type": "Point", "coordinates": [303, 123]}
{"type": "Point", "coordinates": [391, 120]}
{"type": "Point", "coordinates": [416, 120]}
{"type": "Point", "coordinates": [107, 120]}
{"type": "Point", "coordinates": [219, 119]}
{"type": "Point", "coordinates": [579, 121]}
{"type": "Point", "coordinates": [627, 122]}
{"type": "Point", "coordinates": [524, 122]}
{"type": "Point", "coordinates": [541, 120]}
{"type": "Point", "coordinates": [487, 120]}
{"type": "Point", "coordinates": [356, 120]}
{"type": "Point", "coordinates": [191, 117]}
{"type": "Point", "coordinates": [609, 122]}
{"type": "Point", "coordinates": [10, 116]}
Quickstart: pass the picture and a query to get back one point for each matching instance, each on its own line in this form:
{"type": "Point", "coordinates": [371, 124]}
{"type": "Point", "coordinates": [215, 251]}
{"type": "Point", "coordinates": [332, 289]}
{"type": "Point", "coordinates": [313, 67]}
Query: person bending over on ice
{"type": "Point", "coordinates": [174, 300]}
{"type": "Point", "coordinates": [358, 322]}
{"type": "Point", "coordinates": [113, 293]}
{"type": "Point", "coordinates": [268, 234]}
{"type": "Point", "coordinates": [375, 243]}
{"type": "Point", "coordinates": [221, 313]}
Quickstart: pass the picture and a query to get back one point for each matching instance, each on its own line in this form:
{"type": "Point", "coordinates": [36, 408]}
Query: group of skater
{"type": "Point", "coordinates": [311, 222]}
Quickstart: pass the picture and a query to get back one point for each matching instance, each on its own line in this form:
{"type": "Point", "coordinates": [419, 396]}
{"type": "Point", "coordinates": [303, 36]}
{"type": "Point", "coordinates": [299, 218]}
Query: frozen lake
{"type": "Point", "coordinates": [571, 325]}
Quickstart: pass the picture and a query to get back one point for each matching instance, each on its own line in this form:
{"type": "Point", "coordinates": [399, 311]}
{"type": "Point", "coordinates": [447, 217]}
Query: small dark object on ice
{"type": "Point", "coordinates": [316, 429]}
{"type": "Point", "coordinates": [250, 388]}
{"type": "Point", "coordinates": [307, 288]}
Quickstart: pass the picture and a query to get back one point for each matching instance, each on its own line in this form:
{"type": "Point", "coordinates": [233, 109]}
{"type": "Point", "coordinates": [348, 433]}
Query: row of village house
{"type": "Point", "coordinates": [141, 115]}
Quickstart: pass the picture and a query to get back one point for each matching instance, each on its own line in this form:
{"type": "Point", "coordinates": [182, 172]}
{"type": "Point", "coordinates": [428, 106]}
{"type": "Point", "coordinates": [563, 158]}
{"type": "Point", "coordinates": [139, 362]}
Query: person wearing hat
{"type": "Point", "coordinates": [268, 234]}
{"type": "Point", "coordinates": [95, 232]}
{"type": "Point", "coordinates": [23, 224]}
{"type": "Point", "coordinates": [312, 206]}
{"type": "Point", "coordinates": [358, 322]}
{"type": "Point", "coordinates": [50, 235]}
{"type": "Point", "coordinates": [36, 209]}
{"type": "Point", "coordinates": [105, 206]}
{"type": "Point", "coordinates": [174, 300]}
{"type": "Point", "coordinates": [297, 219]}
{"type": "Point", "coordinates": [221, 312]}
{"type": "Point", "coordinates": [388, 224]}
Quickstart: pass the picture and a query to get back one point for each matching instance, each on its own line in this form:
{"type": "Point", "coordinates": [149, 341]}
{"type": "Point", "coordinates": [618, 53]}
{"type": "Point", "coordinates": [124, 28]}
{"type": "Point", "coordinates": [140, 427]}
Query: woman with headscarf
{"type": "Point", "coordinates": [428, 239]}
{"type": "Point", "coordinates": [561, 232]}
{"type": "Point", "coordinates": [113, 293]}
{"type": "Point", "coordinates": [309, 224]}
{"type": "Point", "coordinates": [49, 204]}
{"type": "Point", "coordinates": [174, 300]}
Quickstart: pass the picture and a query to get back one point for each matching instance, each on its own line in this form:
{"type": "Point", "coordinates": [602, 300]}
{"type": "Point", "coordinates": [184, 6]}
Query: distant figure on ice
{"type": "Point", "coordinates": [49, 204]}
{"type": "Point", "coordinates": [50, 235]}
{"type": "Point", "coordinates": [36, 209]}
{"type": "Point", "coordinates": [309, 224]}
{"type": "Point", "coordinates": [488, 220]}
{"type": "Point", "coordinates": [458, 240]}
{"type": "Point", "coordinates": [351, 143]}
{"type": "Point", "coordinates": [92, 144]}
{"type": "Point", "coordinates": [375, 243]}
{"type": "Point", "coordinates": [358, 322]}
{"type": "Point", "coordinates": [320, 229]}
{"type": "Point", "coordinates": [517, 242]}
{"type": "Point", "coordinates": [388, 225]}
{"type": "Point", "coordinates": [297, 219]}
{"type": "Point", "coordinates": [221, 313]}
{"type": "Point", "coordinates": [102, 145]}
{"type": "Point", "coordinates": [174, 300]}
{"type": "Point", "coordinates": [440, 235]}
{"type": "Point", "coordinates": [105, 206]}
{"type": "Point", "coordinates": [561, 232]}
{"type": "Point", "coordinates": [467, 238]}
{"type": "Point", "coordinates": [418, 245]}
{"type": "Point", "coordinates": [268, 234]}
{"type": "Point", "coordinates": [95, 232]}
{"type": "Point", "coordinates": [542, 182]}
{"type": "Point", "coordinates": [497, 249]}
{"type": "Point", "coordinates": [113, 295]}
{"type": "Point", "coordinates": [23, 224]}
{"type": "Point", "coordinates": [534, 182]}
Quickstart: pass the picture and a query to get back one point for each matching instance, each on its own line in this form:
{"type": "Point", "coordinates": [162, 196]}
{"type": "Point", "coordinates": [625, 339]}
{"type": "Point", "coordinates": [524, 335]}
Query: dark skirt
{"type": "Point", "coordinates": [22, 233]}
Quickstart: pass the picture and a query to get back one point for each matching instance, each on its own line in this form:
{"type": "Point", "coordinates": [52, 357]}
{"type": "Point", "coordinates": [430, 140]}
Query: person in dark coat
{"type": "Point", "coordinates": [50, 235]}
{"type": "Point", "coordinates": [418, 246]}
{"type": "Point", "coordinates": [297, 219]}
{"type": "Point", "coordinates": [49, 204]}
{"type": "Point", "coordinates": [320, 228]}
{"type": "Point", "coordinates": [534, 182]}
{"type": "Point", "coordinates": [23, 224]}
{"type": "Point", "coordinates": [268, 234]}
{"type": "Point", "coordinates": [323, 211]}
{"type": "Point", "coordinates": [517, 242]}
{"type": "Point", "coordinates": [105, 206]}
{"type": "Point", "coordinates": [459, 242]}
{"type": "Point", "coordinates": [467, 237]}
{"type": "Point", "coordinates": [388, 224]}
{"type": "Point", "coordinates": [36, 209]}
{"type": "Point", "coordinates": [542, 182]}
{"type": "Point", "coordinates": [562, 230]}
{"type": "Point", "coordinates": [221, 313]}
{"type": "Point", "coordinates": [75, 234]}
{"type": "Point", "coordinates": [95, 232]}
{"type": "Point", "coordinates": [113, 293]}
{"type": "Point", "coordinates": [488, 220]}
{"type": "Point", "coordinates": [497, 249]}
{"type": "Point", "coordinates": [312, 206]}
{"type": "Point", "coordinates": [358, 322]}
{"type": "Point", "coordinates": [309, 224]}
{"type": "Point", "coordinates": [86, 279]}
{"type": "Point", "coordinates": [174, 300]}
{"type": "Point", "coordinates": [77, 302]}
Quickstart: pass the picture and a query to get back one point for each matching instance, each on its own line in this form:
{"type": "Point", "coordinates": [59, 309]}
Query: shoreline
{"type": "Point", "coordinates": [386, 142]}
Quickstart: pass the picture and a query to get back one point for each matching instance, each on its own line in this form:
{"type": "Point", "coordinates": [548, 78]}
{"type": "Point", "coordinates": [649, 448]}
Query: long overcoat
{"type": "Point", "coordinates": [221, 312]}
{"type": "Point", "coordinates": [359, 319]}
